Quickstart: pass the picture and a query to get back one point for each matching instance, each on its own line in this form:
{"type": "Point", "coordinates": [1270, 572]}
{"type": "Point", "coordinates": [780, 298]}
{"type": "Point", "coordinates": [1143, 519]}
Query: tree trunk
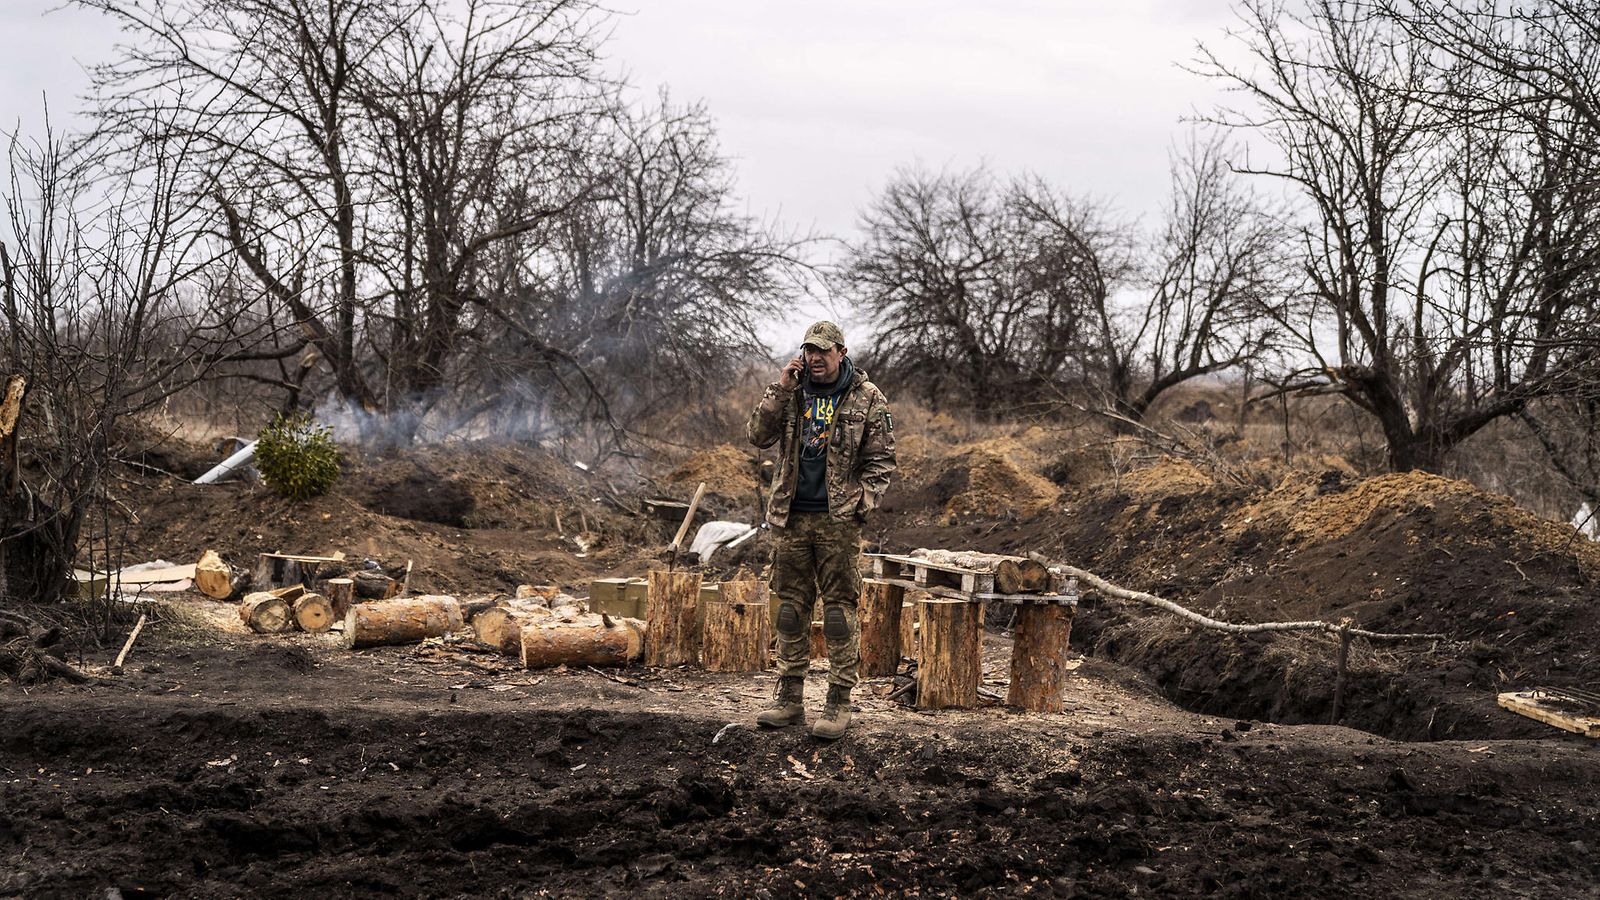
{"type": "Point", "coordinates": [880, 629]}
{"type": "Point", "coordinates": [313, 613]}
{"type": "Point", "coordinates": [671, 638]}
{"type": "Point", "coordinates": [587, 642]}
{"type": "Point", "coordinates": [1039, 658]}
{"type": "Point", "coordinates": [501, 627]}
{"type": "Point", "coordinates": [736, 636]}
{"type": "Point", "coordinates": [265, 613]}
{"type": "Point", "coordinates": [400, 621]}
{"type": "Point", "coordinates": [951, 655]}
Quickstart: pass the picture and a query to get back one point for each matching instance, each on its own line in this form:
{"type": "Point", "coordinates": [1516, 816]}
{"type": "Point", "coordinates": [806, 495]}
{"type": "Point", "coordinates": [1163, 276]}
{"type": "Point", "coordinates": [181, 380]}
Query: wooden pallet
{"type": "Point", "coordinates": [953, 582]}
{"type": "Point", "coordinates": [1552, 707]}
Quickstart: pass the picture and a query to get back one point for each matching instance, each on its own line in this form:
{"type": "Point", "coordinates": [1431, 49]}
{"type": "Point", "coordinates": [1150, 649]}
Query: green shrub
{"type": "Point", "coordinates": [297, 457]}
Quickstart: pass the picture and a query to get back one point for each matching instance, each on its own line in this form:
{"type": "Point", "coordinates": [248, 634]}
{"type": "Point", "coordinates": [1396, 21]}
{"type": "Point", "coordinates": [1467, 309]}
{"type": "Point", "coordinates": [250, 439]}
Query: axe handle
{"type": "Point", "coordinates": [688, 517]}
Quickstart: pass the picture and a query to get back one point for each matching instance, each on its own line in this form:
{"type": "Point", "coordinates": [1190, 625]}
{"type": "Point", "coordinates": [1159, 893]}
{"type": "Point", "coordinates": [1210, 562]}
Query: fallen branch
{"type": "Point", "coordinates": [132, 636]}
{"type": "Point", "coordinates": [1122, 593]}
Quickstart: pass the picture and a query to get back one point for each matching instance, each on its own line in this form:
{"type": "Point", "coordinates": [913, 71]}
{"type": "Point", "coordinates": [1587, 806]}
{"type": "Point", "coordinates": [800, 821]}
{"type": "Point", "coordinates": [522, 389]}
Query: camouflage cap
{"type": "Point", "coordinates": [823, 335]}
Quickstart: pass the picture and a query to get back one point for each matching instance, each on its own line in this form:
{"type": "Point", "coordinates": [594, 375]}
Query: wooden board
{"type": "Point", "coordinates": [924, 574]}
{"type": "Point", "coordinates": [154, 576]}
{"type": "Point", "coordinates": [1535, 706]}
{"type": "Point", "coordinates": [979, 596]}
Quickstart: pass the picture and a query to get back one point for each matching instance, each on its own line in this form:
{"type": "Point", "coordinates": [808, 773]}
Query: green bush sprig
{"type": "Point", "coordinates": [297, 457]}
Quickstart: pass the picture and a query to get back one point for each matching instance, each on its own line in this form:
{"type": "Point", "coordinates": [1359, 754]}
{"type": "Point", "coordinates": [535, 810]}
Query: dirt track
{"type": "Point", "coordinates": [259, 767]}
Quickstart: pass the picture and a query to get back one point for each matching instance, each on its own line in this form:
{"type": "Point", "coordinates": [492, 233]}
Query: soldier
{"type": "Point", "coordinates": [835, 459]}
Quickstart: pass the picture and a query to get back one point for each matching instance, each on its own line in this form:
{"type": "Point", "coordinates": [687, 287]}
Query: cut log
{"type": "Point", "coordinates": [215, 578]}
{"type": "Point", "coordinates": [1039, 658]}
{"type": "Point", "coordinates": [313, 613]}
{"type": "Point", "coordinates": [501, 627]}
{"type": "Point", "coordinates": [880, 628]}
{"type": "Point", "coordinates": [1012, 574]}
{"type": "Point", "coordinates": [744, 591]}
{"type": "Point", "coordinates": [374, 585]}
{"type": "Point", "coordinates": [288, 594]}
{"type": "Point", "coordinates": [950, 660]}
{"type": "Point", "coordinates": [265, 613]}
{"type": "Point", "coordinates": [400, 621]}
{"type": "Point", "coordinates": [341, 593]}
{"type": "Point", "coordinates": [590, 641]}
{"type": "Point", "coordinates": [737, 635]}
{"type": "Point", "coordinates": [673, 599]}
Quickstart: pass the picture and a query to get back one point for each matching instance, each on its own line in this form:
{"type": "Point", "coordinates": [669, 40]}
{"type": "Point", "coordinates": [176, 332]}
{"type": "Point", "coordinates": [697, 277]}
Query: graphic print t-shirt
{"type": "Point", "coordinates": [816, 427]}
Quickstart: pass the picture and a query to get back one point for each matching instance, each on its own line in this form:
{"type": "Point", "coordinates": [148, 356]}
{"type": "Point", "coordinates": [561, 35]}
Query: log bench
{"type": "Point", "coordinates": [949, 647]}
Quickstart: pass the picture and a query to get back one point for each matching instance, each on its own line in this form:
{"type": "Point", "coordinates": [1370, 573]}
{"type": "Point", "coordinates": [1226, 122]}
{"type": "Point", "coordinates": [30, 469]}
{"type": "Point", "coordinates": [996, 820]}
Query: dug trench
{"type": "Point", "coordinates": [1410, 553]}
{"type": "Point", "coordinates": [256, 770]}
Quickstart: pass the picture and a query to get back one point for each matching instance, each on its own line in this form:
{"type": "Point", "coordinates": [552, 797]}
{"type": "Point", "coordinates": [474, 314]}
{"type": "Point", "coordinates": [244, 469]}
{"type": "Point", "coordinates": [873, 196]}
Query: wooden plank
{"type": "Point", "coordinates": [154, 576]}
{"type": "Point", "coordinates": [338, 556]}
{"type": "Point", "coordinates": [1526, 703]}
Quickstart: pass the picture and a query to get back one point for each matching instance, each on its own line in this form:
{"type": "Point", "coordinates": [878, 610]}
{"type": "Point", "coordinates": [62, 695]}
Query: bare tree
{"type": "Point", "coordinates": [1204, 295]}
{"type": "Point", "coordinates": [1450, 251]}
{"type": "Point", "coordinates": [981, 291]}
{"type": "Point", "coordinates": [655, 282]}
{"type": "Point", "coordinates": [365, 157]}
{"type": "Point", "coordinates": [1017, 291]}
{"type": "Point", "coordinates": [107, 285]}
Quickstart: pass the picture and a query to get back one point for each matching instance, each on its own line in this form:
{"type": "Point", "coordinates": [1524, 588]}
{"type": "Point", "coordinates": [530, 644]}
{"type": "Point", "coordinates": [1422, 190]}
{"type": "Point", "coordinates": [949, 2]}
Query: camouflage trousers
{"type": "Point", "coordinates": [818, 557]}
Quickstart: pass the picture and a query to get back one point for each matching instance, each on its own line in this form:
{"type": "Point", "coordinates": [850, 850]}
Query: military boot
{"type": "Point", "coordinates": [787, 707]}
{"type": "Point", "coordinates": [835, 715]}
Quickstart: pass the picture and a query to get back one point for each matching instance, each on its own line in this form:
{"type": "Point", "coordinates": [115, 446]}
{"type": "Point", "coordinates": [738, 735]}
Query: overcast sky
{"type": "Point", "coordinates": [819, 102]}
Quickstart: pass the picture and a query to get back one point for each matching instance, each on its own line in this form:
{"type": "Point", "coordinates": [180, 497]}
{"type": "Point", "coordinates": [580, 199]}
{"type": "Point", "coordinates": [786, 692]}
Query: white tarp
{"type": "Point", "coordinates": [713, 535]}
{"type": "Point", "coordinates": [1587, 522]}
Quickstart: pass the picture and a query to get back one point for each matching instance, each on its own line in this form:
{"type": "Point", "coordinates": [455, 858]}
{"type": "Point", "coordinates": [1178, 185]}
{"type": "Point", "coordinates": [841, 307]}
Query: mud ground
{"type": "Point", "coordinates": [255, 766]}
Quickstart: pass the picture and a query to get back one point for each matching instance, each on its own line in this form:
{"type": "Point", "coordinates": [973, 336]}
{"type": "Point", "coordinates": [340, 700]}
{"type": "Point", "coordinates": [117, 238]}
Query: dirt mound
{"type": "Point", "coordinates": [1167, 477]}
{"type": "Point", "coordinates": [471, 516]}
{"type": "Point", "coordinates": [728, 472]}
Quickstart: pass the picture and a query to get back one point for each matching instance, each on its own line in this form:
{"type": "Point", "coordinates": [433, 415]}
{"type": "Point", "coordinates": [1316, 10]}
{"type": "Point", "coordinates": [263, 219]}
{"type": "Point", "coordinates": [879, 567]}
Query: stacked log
{"type": "Point", "coordinates": [400, 621]}
{"type": "Point", "coordinates": [266, 613]}
{"type": "Point", "coordinates": [950, 661]}
{"type": "Point", "coordinates": [671, 638]}
{"type": "Point", "coordinates": [1012, 574]}
{"type": "Point", "coordinates": [591, 640]}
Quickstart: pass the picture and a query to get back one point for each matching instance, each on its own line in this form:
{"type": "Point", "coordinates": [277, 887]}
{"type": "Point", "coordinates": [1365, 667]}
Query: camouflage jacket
{"type": "Point", "coordinates": [860, 449]}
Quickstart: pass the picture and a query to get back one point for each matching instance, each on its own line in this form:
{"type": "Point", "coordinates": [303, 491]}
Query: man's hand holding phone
{"type": "Point", "coordinates": [789, 378]}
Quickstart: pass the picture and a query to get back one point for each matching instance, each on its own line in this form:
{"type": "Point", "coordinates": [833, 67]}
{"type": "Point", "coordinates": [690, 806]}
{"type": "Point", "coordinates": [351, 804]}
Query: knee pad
{"type": "Point", "coordinates": [834, 623]}
{"type": "Point", "coordinates": [789, 624]}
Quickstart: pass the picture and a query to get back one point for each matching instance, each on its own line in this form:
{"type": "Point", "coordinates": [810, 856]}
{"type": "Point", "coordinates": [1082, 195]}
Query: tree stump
{"type": "Point", "coordinates": [374, 585]}
{"type": "Point", "coordinates": [950, 660]}
{"type": "Point", "coordinates": [736, 636]}
{"type": "Point", "coordinates": [673, 599]}
{"type": "Point", "coordinates": [586, 642]}
{"type": "Point", "coordinates": [880, 628]}
{"type": "Point", "coordinates": [273, 570]}
{"type": "Point", "coordinates": [1039, 658]}
{"type": "Point", "coordinates": [400, 621]}
{"type": "Point", "coordinates": [313, 613]}
{"type": "Point", "coordinates": [341, 593]}
{"type": "Point", "coordinates": [265, 613]}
